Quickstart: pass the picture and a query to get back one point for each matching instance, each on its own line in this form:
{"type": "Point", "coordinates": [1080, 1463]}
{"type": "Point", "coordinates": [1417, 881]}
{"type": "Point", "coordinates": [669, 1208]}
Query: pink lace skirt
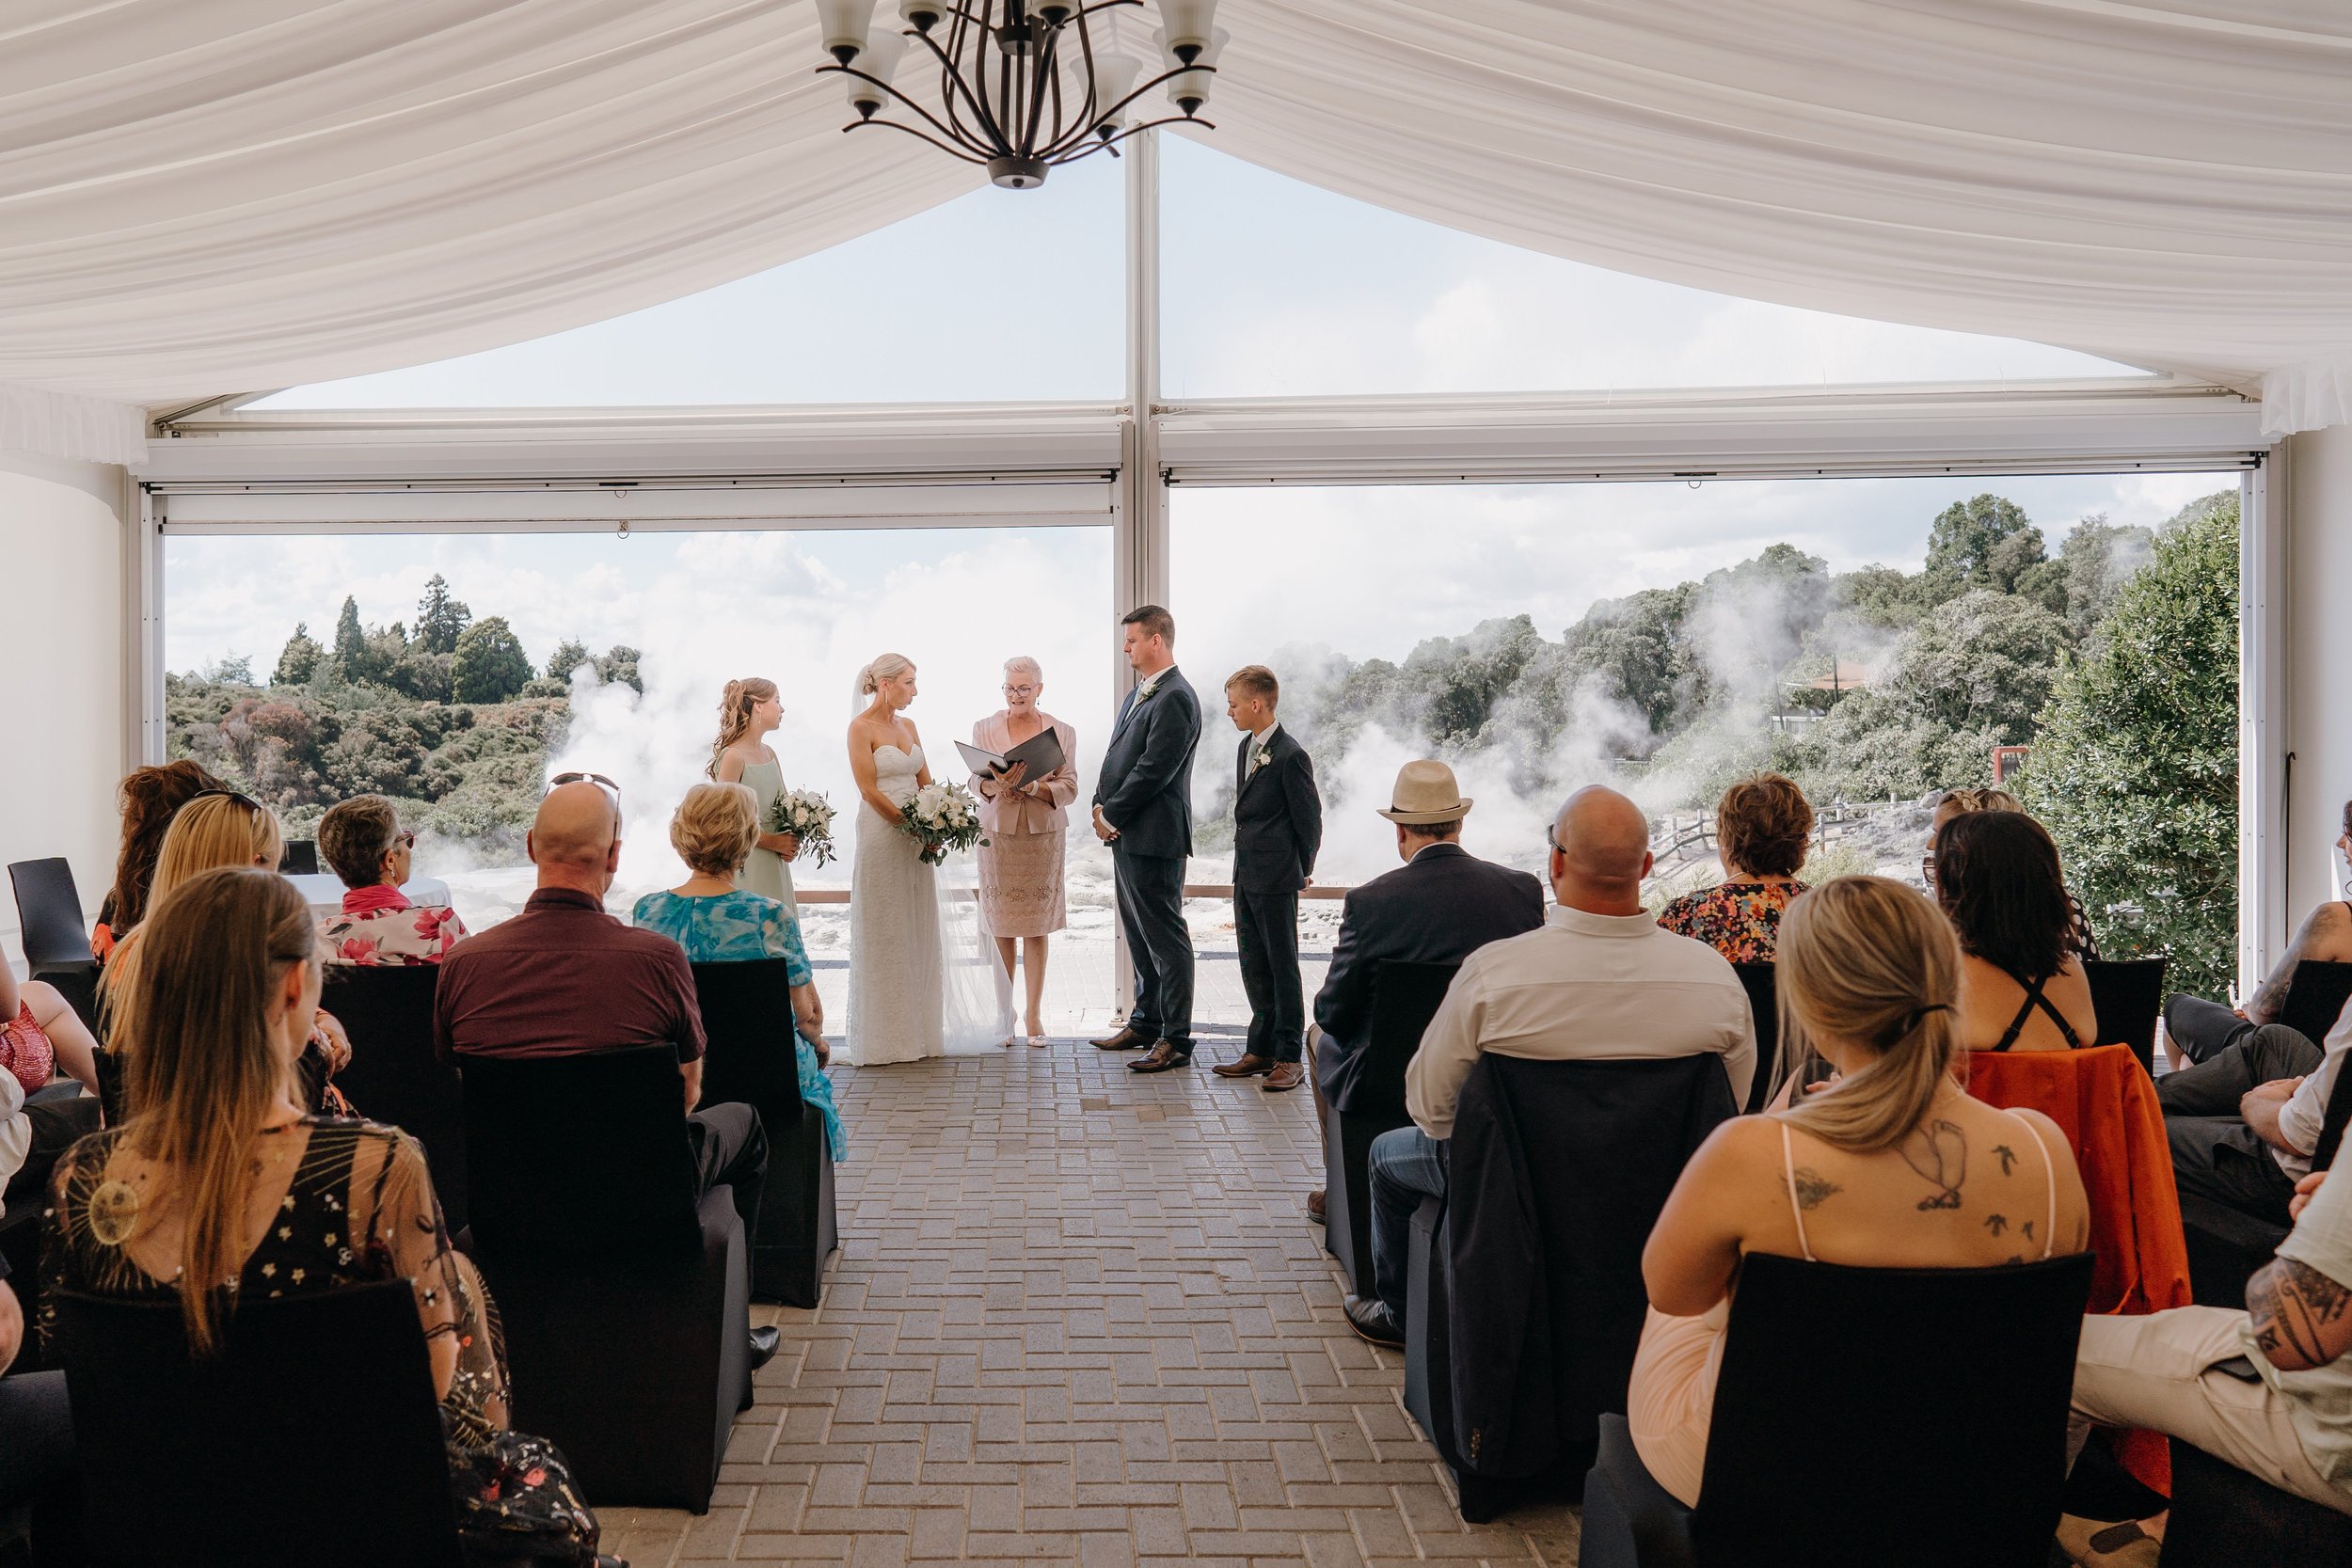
{"type": "Point", "coordinates": [25, 1053]}
{"type": "Point", "coordinates": [1021, 884]}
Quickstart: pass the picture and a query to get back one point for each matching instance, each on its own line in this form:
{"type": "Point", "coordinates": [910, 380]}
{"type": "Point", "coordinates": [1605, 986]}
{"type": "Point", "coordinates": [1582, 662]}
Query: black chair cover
{"type": "Point", "coordinates": [312, 1439]}
{"type": "Point", "coordinates": [2128, 996]}
{"type": "Point", "coordinates": [394, 1077]}
{"type": "Point", "coordinates": [1404, 997]}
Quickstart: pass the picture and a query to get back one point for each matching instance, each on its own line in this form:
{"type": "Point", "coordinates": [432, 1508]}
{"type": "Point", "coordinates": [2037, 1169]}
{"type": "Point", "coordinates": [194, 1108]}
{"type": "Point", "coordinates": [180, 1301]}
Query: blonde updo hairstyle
{"type": "Point", "coordinates": [1872, 962]}
{"type": "Point", "coordinates": [735, 714]}
{"type": "Point", "coordinates": [889, 667]}
{"type": "Point", "coordinates": [715, 827]}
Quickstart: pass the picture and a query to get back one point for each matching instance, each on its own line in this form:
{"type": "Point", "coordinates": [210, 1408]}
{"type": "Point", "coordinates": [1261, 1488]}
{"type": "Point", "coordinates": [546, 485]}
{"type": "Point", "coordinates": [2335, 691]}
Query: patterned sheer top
{"type": "Point", "coordinates": [1740, 920]}
{"type": "Point", "coordinates": [333, 1202]}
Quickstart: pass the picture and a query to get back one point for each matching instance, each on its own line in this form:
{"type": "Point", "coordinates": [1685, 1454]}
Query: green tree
{"type": "Point", "coordinates": [2136, 769]}
{"type": "Point", "coordinates": [299, 660]}
{"type": "Point", "coordinates": [441, 619]}
{"type": "Point", "coordinates": [2099, 557]}
{"type": "Point", "coordinates": [351, 644]}
{"type": "Point", "coordinates": [569, 655]}
{"type": "Point", "coordinates": [618, 667]}
{"type": "Point", "coordinates": [489, 665]}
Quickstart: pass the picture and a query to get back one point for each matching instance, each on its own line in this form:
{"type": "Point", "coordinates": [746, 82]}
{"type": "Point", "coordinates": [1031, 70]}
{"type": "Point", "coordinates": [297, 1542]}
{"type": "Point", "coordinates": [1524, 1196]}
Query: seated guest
{"type": "Point", "coordinates": [223, 827]}
{"type": "Point", "coordinates": [1762, 826]}
{"type": "Point", "coordinates": [2021, 986]}
{"type": "Point", "coordinates": [220, 1179]}
{"type": "Point", "coordinates": [1599, 981]}
{"type": "Point", "coordinates": [365, 845]}
{"type": "Point", "coordinates": [715, 829]}
{"type": "Point", "coordinates": [2199, 1030]}
{"type": "Point", "coordinates": [2243, 1122]}
{"type": "Point", "coordinates": [1955, 803]}
{"type": "Point", "coordinates": [151, 797]}
{"type": "Point", "coordinates": [1867, 1172]}
{"type": "Point", "coordinates": [2268, 1390]}
{"type": "Point", "coordinates": [1442, 906]}
{"type": "Point", "coordinates": [42, 1034]}
{"type": "Point", "coordinates": [564, 978]}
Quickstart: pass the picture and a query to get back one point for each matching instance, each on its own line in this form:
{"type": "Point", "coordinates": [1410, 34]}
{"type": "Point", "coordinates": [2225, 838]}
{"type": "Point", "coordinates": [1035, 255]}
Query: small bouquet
{"type": "Point", "coordinates": [807, 817]}
{"type": "Point", "coordinates": [941, 817]}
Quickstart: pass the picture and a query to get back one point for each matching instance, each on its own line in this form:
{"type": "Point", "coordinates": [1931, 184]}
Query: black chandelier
{"type": "Point", "coordinates": [1023, 86]}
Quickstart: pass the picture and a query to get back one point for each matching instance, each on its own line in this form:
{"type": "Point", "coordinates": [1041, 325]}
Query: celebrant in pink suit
{"type": "Point", "coordinates": [1027, 823]}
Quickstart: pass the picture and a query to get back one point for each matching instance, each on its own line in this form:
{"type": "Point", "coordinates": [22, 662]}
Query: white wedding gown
{"type": "Point", "coordinates": [897, 973]}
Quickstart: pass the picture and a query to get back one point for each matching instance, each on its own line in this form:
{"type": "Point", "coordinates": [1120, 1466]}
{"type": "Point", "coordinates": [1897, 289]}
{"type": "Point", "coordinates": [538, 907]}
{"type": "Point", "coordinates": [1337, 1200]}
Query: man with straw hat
{"type": "Point", "coordinates": [1440, 907]}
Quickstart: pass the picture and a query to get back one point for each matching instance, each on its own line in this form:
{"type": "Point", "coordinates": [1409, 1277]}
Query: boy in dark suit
{"type": "Point", "coordinates": [1278, 827]}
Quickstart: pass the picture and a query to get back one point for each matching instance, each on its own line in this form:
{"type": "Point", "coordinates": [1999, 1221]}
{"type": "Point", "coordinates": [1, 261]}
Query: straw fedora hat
{"type": "Point", "coordinates": [1426, 793]}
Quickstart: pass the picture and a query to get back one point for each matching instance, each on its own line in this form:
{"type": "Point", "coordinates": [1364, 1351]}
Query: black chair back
{"type": "Point", "coordinates": [749, 1053]}
{"type": "Point", "coordinates": [313, 1438]}
{"type": "Point", "coordinates": [579, 1159]}
{"type": "Point", "coordinates": [2316, 993]}
{"type": "Point", "coordinates": [2128, 996]}
{"type": "Point", "coordinates": [2333, 1121]}
{"type": "Point", "coordinates": [393, 1076]}
{"type": "Point", "coordinates": [300, 858]}
{"type": "Point", "coordinates": [1761, 982]}
{"type": "Point", "coordinates": [50, 912]}
{"type": "Point", "coordinates": [1927, 1394]}
{"type": "Point", "coordinates": [1404, 997]}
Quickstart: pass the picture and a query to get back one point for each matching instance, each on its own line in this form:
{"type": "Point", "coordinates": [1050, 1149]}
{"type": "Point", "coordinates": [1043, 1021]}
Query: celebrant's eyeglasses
{"type": "Point", "coordinates": [562, 779]}
{"type": "Point", "coordinates": [1021, 692]}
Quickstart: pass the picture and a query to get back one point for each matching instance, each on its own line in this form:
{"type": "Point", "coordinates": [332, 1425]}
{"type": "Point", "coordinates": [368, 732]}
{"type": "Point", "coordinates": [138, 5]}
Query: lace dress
{"type": "Point", "coordinates": [897, 972]}
{"type": "Point", "coordinates": [731, 928]}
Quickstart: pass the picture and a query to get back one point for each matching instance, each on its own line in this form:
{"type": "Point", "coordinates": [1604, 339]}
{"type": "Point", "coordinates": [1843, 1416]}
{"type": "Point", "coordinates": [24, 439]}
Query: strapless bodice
{"type": "Point", "coordinates": [896, 771]}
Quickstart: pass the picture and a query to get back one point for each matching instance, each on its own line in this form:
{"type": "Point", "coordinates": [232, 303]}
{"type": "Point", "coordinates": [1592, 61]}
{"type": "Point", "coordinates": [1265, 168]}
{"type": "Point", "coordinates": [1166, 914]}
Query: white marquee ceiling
{"type": "Point", "coordinates": [245, 194]}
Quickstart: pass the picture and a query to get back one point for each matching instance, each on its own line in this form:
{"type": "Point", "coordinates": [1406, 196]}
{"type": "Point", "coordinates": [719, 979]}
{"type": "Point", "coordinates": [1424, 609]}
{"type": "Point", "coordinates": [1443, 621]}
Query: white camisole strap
{"type": "Point", "coordinates": [1789, 1174]}
{"type": "Point", "coordinates": [2049, 1178]}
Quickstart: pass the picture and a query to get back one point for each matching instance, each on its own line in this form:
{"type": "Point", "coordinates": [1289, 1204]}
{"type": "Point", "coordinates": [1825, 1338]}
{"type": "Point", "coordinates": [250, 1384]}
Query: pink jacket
{"type": "Point", "coordinates": [1013, 814]}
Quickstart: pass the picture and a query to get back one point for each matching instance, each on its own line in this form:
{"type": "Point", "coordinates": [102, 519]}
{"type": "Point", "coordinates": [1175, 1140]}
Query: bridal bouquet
{"type": "Point", "coordinates": [807, 817]}
{"type": "Point", "coordinates": [941, 817]}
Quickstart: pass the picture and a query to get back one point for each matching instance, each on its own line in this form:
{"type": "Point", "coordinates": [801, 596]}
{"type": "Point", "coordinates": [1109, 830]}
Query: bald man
{"type": "Point", "coordinates": [564, 978]}
{"type": "Point", "coordinates": [1599, 980]}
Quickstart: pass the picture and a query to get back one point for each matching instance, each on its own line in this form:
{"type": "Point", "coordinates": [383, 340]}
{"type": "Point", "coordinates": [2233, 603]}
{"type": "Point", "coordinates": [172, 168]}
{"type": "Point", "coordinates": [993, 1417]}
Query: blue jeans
{"type": "Point", "coordinates": [1407, 1164]}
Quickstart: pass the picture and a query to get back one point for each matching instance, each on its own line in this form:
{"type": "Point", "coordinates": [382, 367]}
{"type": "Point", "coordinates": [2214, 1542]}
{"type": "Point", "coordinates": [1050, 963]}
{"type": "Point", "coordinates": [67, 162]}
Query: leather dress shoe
{"type": "Point", "coordinates": [1248, 1066]}
{"type": "Point", "coordinates": [1126, 1039]}
{"type": "Point", "coordinates": [1283, 1075]}
{"type": "Point", "coordinates": [764, 1343]}
{"type": "Point", "coordinates": [1314, 1205]}
{"type": "Point", "coordinates": [1160, 1058]}
{"type": "Point", "coordinates": [1370, 1317]}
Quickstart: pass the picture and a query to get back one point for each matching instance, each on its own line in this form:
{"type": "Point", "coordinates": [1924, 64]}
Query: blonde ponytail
{"type": "Point", "coordinates": [1871, 962]}
{"type": "Point", "coordinates": [735, 714]}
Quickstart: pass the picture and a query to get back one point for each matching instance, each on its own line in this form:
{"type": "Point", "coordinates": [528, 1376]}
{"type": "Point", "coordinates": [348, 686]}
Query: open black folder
{"type": "Point", "coordinates": [1042, 751]}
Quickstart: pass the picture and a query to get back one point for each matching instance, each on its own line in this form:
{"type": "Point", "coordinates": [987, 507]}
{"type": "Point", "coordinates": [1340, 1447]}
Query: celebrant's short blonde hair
{"type": "Point", "coordinates": [715, 828]}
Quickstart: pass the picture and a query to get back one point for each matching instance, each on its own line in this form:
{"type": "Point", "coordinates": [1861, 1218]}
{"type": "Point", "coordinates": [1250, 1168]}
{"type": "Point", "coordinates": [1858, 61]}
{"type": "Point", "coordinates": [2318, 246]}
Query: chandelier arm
{"type": "Point", "coordinates": [951, 82]}
{"type": "Point", "coordinates": [1105, 116]}
{"type": "Point", "coordinates": [966, 141]}
{"type": "Point", "coordinates": [1047, 75]}
{"type": "Point", "coordinates": [953, 151]}
{"type": "Point", "coordinates": [1074, 154]}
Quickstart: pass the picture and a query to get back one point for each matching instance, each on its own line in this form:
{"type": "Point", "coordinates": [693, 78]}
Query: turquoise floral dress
{"type": "Point", "coordinates": [728, 928]}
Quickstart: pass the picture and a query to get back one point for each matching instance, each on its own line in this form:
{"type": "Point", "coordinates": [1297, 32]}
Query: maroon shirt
{"type": "Point", "coordinates": [562, 978]}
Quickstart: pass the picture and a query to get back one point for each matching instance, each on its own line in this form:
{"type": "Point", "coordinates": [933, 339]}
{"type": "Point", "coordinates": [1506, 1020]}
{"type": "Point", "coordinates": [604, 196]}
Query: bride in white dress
{"type": "Point", "coordinates": [914, 991]}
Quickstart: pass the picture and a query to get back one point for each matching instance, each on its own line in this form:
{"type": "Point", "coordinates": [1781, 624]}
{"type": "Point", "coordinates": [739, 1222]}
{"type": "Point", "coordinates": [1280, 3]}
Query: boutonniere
{"type": "Point", "coordinates": [1143, 693]}
{"type": "Point", "coordinates": [1260, 758]}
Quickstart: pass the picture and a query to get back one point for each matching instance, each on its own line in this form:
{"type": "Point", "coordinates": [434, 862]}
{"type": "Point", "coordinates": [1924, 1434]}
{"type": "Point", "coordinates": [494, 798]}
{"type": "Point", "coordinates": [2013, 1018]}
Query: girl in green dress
{"type": "Point", "coordinates": [749, 712]}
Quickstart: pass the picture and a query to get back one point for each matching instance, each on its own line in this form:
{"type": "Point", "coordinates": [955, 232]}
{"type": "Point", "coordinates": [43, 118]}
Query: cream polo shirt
{"type": "Point", "coordinates": [1581, 987]}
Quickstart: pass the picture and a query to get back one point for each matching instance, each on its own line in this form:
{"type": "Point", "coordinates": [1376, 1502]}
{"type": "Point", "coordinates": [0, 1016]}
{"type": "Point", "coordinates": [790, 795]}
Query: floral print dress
{"type": "Point", "coordinates": [1740, 920]}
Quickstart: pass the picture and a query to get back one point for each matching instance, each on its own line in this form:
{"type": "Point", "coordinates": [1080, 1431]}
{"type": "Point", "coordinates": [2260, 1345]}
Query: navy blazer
{"type": "Point", "coordinates": [1145, 787]}
{"type": "Point", "coordinates": [1438, 909]}
{"type": "Point", "coordinates": [1277, 816]}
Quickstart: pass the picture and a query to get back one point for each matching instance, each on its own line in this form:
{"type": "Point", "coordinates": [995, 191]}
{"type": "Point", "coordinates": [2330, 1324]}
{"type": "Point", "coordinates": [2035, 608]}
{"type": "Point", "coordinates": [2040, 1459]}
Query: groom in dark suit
{"type": "Point", "coordinates": [1277, 828]}
{"type": "Point", "coordinates": [1143, 810]}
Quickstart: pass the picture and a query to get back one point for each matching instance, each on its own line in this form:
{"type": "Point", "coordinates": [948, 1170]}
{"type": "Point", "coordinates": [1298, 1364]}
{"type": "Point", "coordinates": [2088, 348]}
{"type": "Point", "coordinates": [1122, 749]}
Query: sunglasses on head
{"type": "Point", "coordinates": [562, 779]}
{"type": "Point", "coordinates": [247, 802]}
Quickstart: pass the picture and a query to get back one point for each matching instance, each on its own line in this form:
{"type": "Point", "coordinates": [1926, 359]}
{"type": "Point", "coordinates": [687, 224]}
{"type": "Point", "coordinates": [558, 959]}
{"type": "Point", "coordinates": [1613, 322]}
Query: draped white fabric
{"type": "Point", "coordinates": [248, 193]}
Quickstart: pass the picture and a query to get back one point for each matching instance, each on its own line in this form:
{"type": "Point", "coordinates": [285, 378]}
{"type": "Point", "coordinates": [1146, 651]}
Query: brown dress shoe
{"type": "Point", "coordinates": [1286, 1075]}
{"type": "Point", "coordinates": [1126, 1039]}
{"type": "Point", "coordinates": [1160, 1058]}
{"type": "Point", "coordinates": [1314, 1205]}
{"type": "Point", "coordinates": [1248, 1066]}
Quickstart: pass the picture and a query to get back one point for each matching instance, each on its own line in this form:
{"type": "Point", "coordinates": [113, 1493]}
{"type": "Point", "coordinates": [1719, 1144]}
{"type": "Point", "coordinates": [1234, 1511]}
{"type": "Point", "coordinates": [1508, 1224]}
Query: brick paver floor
{"type": "Point", "coordinates": [1079, 1315]}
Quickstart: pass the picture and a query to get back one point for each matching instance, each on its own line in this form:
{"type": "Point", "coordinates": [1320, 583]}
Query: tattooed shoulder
{"type": "Point", "coordinates": [1810, 1188]}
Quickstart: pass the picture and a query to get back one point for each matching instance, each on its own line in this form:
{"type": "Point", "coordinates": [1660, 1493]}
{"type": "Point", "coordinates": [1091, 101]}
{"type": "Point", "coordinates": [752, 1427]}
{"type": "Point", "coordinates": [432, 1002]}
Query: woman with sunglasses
{"type": "Point", "coordinates": [362, 841]}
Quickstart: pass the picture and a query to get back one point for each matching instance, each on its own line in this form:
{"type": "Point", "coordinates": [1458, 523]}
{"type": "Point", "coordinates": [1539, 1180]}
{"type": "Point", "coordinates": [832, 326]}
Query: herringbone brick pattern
{"type": "Point", "coordinates": [1079, 1316]}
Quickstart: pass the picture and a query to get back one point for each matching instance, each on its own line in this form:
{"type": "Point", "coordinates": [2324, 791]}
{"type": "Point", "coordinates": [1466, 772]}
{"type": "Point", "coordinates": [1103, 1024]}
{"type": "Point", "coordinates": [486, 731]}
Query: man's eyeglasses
{"type": "Point", "coordinates": [562, 779]}
{"type": "Point", "coordinates": [1552, 842]}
